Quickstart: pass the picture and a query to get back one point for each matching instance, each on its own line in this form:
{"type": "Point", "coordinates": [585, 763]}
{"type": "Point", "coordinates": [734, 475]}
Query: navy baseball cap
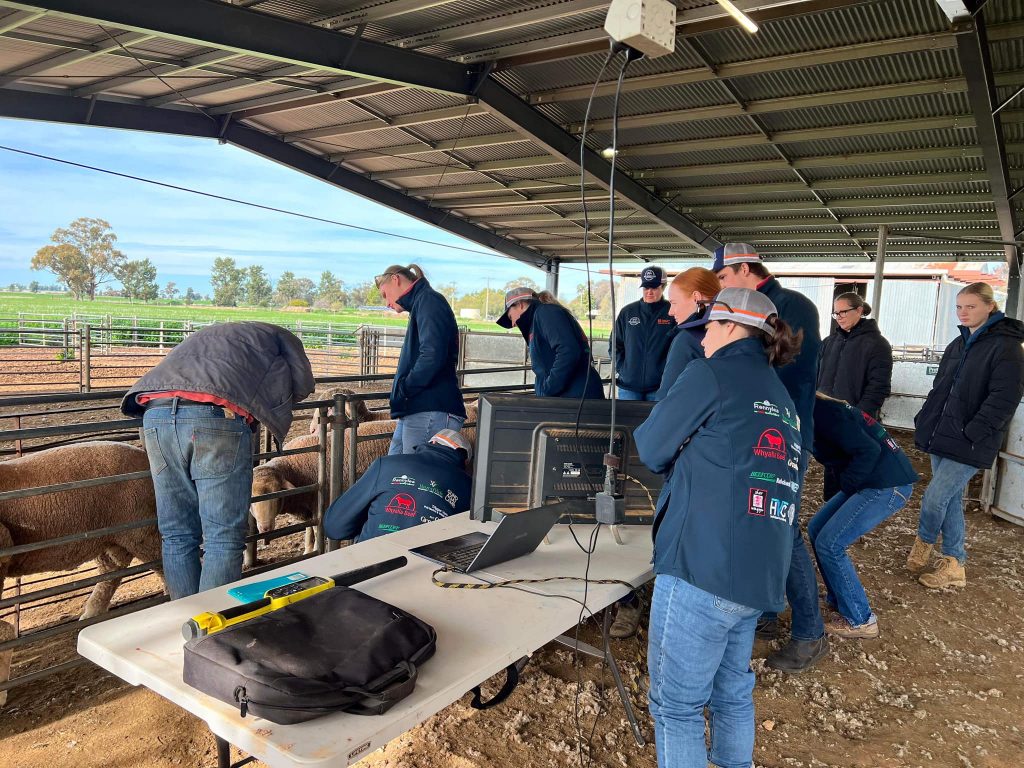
{"type": "Point", "coordinates": [652, 277]}
{"type": "Point", "coordinates": [731, 254]}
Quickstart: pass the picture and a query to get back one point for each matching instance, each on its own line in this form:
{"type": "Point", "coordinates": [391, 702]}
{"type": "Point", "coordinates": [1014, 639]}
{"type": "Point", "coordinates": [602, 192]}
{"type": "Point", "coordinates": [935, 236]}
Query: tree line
{"type": "Point", "coordinates": [84, 257]}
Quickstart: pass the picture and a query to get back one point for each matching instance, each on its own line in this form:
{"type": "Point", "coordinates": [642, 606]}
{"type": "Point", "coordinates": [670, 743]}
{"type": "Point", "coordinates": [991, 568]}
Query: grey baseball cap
{"type": "Point", "coordinates": [743, 306]}
{"type": "Point", "coordinates": [453, 439]}
{"type": "Point", "coordinates": [521, 293]}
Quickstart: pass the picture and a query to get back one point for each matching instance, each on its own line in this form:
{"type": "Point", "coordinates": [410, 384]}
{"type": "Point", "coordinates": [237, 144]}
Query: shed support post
{"type": "Point", "coordinates": [876, 293]}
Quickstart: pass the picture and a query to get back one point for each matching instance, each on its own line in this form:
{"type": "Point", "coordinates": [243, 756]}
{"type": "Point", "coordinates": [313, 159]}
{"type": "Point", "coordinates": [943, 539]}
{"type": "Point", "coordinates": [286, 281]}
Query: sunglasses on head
{"type": "Point", "coordinates": [379, 279]}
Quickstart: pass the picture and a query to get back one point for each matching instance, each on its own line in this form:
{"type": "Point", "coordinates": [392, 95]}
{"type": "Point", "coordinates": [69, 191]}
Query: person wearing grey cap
{"type": "Point", "coordinates": [643, 333]}
{"type": "Point", "coordinates": [399, 491]}
{"type": "Point", "coordinates": [726, 438]}
{"type": "Point", "coordinates": [739, 266]}
{"type": "Point", "coordinates": [559, 352]}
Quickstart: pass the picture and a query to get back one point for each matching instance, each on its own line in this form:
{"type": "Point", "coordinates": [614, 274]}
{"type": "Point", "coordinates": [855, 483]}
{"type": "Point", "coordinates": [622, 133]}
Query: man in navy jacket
{"type": "Point", "coordinates": [403, 490]}
{"type": "Point", "coordinates": [739, 266]}
{"type": "Point", "coordinates": [425, 396]}
{"type": "Point", "coordinates": [643, 333]}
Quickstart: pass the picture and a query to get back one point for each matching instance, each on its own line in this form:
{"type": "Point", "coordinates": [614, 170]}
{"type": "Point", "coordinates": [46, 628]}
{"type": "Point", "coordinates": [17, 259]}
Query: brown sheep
{"type": "Point", "coordinates": [64, 513]}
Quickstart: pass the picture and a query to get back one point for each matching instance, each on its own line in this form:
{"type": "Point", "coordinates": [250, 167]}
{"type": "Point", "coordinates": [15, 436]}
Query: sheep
{"type": "Point", "coordinates": [286, 472]}
{"type": "Point", "coordinates": [53, 515]}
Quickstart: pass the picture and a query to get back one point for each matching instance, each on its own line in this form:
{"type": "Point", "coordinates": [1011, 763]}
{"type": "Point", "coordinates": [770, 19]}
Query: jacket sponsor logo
{"type": "Point", "coordinates": [793, 464]}
{"type": "Point", "coordinates": [664, 321]}
{"type": "Point", "coordinates": [771, 445]}
{"type": "Point", "coordinates": [766, 408]}
{"type": "Point", "coordinates": [451, 498]}
{"type": "Point", "coordinates": [782, 510]}
{"type": "Point", "coordinates": [634, 321]}
{"type": "Point", "coordinates": [402, 504]}
{"type": "Point", "coordinates": [431, 487]}
{"type": "Point", "coordinates": [790, 419]}
{"type": "Point", "coordinates": [768, 477]}
{"type": "Point", "coordinates": [403, 480]}
{"type": "Point", "coordinates": [757, 502]}
{"type": "Point", "coordinates": [389, 528]}
{"type": "Point", "coordinates": [794, 487]}
{"type": "Point", "coordinates": [891, 443]}
{"type": "Point", "coordinates": [437, 513]}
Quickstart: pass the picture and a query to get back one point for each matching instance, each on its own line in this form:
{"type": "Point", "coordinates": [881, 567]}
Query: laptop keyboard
{"type": "Point", "coordinates": [461, 557]}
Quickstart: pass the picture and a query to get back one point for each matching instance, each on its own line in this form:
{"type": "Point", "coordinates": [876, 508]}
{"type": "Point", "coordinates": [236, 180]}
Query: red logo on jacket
{"type": "Point", "coordinates": [771, 445]}
{"type": "Point", "coordinates": [402, 504]}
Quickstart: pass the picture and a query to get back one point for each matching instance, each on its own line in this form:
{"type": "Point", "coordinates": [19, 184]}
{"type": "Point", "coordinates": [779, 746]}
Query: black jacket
{"type": "Point", "coordinates": [643, 332]}
{"type": "Point", "coordinates": [260, 367]}
{"type": "Point", "coordinates": [686, 346]}
{"type": "Point", "coordinates": [856, 366]}
{"type": "Point", "coordinates": [975, 394]}
{"type": "Point", "coordinates": [401, 491]}
{"type": "Point", "coordinates": [559, 353]}
{"type": "Point", "coordinates": [800, 376]}
{"type": "Point", "coordinates": [425, 379]}
{"type": "Point", "coordinates": [857, 448]}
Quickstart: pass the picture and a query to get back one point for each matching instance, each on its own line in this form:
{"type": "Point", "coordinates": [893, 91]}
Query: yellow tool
{"type": "Point", "coordinates": [209, 622]}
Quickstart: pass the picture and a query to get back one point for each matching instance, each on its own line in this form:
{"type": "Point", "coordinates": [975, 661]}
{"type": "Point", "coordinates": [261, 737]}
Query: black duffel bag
{"type": "Point", "coordinates": [337, 651]}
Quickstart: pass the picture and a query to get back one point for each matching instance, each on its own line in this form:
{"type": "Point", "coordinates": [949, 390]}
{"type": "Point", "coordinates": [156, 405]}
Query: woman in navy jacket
{"type": "Point", "coordinates": [962, 425]}
{"type": "Point", "coordinates": [727, 439]}
{"type": "Point", "coordinates": [685, 292]}
{"type": "Point", "coordinates": [559, 352]}
{"type": "Point", "coordinates": [875, 480]}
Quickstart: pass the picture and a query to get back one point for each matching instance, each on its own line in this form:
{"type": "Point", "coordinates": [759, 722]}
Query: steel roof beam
{"type": "Point", "coordinates": [231, 84]}
{"type": "Point", "coordinates": [401, 121]}
{"type": "Point", "coordinates": [150, 73]}
{"type": "Point", "coordinates": [781, 63]}
{"type": "Point", "coordinates": [504, 104]}
{"type": "Point", "coordinates": [892, 201]}
{"type": "Point", "coordinates": [852, 182]}
{"type": "Point", "coordinates": [98, 48]}
{"type": "Point", "coordinates": [973, 50]}
{"type": "Point", "coordinates": [692, 21]}
{"type": "Point", "coordinates": [500, 201]}
{"type": "Point", "coordinates": [63, 109]}
{"type": "Point", "coordinates": [952, 122]}
{"type": "Point", "coordinates": [217, 24]}
{"type": "Point", "coordinates": [379, 12]}
{"type": "Point", "coordinates": [977, 219]}
{"type": "Point", "coordinates": [285, 101]}
{"type": "Point", "coordinates": [536, 161]}
{"type": "Point", "coordinates": [16, 19]}
{"type": "Point", "coordinates": [403, 150]}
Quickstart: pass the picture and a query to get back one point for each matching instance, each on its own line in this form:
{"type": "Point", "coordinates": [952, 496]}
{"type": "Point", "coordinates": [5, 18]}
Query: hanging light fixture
{"type": "Point", "coordinates": [744, 21]}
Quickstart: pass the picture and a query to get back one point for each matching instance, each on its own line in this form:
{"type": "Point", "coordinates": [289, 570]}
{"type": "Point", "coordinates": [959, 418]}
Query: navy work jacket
{"type": "Point", "coordinates": [401, 491]}
{"type": "Point", "coordinates": [726, 439]}
{"type": "Point", "coordinates": [425, 379]}
{"type": "Point", "coordinates": [643, 333]}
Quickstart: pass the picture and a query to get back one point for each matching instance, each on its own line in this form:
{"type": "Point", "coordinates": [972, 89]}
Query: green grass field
{"type": "Point", "coordinates": [52, 304]}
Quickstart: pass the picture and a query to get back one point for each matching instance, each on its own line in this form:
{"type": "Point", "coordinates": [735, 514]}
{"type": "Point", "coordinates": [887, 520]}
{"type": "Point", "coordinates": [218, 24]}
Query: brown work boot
{"type": "Point", "coordinates": [840, 626]}
{"type": "Point", "coordinates": [627, 620]}
{"type": "Point", "coordinates": [948, 573]}
{"type": "Point", "coordinates": [920, 555]}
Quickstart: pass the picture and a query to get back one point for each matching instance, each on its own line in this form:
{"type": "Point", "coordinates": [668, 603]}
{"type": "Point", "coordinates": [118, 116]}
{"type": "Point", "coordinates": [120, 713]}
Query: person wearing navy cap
{"type": "Point", "coordinates": [727, 442]}
{"type": "Point", "coordinates": [739, 266]}
{"type": "Point", "coordinates": [643, 333]}
{"type": "Point", "coordinates": [559, 352]}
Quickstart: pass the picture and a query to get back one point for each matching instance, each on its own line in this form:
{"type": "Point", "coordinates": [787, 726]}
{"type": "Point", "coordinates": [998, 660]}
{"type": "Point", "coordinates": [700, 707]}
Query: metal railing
{"type": "Point", "coordinates": [336, 468]}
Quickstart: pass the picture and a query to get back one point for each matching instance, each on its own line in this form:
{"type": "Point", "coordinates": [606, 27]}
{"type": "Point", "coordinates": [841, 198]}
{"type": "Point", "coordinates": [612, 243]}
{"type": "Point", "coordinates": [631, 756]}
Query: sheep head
{"type": "Point", "coordinates": [266, 480]}
{"type": "Point", "coordinates": [355, 410]}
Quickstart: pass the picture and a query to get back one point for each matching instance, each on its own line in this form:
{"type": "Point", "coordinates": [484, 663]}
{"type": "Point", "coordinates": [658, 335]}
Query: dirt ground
{"type": "Point", "coordinates": [942, 686]}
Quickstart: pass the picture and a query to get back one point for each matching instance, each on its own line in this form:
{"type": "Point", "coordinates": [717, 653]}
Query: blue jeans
{"type": "Point", "coordinates": [699, 654]}
{"type": "Point", "coordinates": [632, 394]}
{"type": "Point", "coordinates": [802, 584]}
{"type": "Point", "coordinates": [840, 522]}
{"type": "Point", "coordinates": [418, 428]}
{"type": "Point", "coordinates": [942, 507]}
{"type": "Point", "coordinates": [201, 462]}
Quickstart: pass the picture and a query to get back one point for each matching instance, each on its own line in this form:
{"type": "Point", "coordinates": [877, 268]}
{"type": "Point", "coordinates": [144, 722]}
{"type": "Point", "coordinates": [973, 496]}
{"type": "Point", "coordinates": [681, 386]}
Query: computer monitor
{"type": "Point", "coordinates": [531, 452]}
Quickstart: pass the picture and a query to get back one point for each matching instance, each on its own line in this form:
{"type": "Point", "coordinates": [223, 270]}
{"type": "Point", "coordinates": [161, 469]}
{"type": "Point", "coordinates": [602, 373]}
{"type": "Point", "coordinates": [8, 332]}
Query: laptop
{"type": "Point", "coordinates": [517, 534]}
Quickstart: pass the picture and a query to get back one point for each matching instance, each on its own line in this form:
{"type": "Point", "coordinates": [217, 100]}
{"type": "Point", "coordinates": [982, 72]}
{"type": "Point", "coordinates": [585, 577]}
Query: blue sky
{"type": "Point", "coordinates": [182, 233]}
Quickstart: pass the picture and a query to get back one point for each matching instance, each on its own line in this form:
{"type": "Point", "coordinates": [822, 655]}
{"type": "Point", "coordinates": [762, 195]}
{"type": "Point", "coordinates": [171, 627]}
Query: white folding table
{"type": "Point", "coordinates": [480, 632]}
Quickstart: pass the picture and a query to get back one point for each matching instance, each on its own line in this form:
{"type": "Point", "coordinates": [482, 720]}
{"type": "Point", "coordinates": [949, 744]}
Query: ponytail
{"type": "Point", "coordinates": [782, 345]}
{"type": "Point", "coordinates": [412, 273]}
{"type": "Point", "coordinates": [547, 297]}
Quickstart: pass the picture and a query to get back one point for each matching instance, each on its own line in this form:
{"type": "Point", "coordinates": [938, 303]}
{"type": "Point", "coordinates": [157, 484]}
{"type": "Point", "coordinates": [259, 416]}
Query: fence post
{"type": "Point", "coordinates": [321, 482]}
{"type": "Point", "coordinates": [85, 376]}
{"type": "Point", "coordinates": [66, 341]}
{"type": "Point", "coordinates": [135, 330]}
{"type": "Point", "coordinates": [338, 422]}
{"type": "Point", "coordinates": [463, 336]}
{"type": "Point", "coordinates": [161, 335]}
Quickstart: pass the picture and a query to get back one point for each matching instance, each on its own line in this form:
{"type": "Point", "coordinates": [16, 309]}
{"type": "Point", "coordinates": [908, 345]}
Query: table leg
{"type": "Point", "coordinates": [609, 658]}
{"type": "Point", "coordinates": [224, 755]}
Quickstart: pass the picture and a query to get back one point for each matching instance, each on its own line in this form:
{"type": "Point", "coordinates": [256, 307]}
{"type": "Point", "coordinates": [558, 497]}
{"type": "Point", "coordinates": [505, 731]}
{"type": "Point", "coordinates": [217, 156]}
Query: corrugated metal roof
{"type": "Point", "coordinates": [711, 194]}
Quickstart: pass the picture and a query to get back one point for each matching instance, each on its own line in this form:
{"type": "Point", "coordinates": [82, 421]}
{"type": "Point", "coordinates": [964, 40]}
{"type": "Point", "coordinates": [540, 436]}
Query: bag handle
{"type": "Point", "coordinates": [511, 681]}
{"type": "Point", "coordinates": [379, 702]}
